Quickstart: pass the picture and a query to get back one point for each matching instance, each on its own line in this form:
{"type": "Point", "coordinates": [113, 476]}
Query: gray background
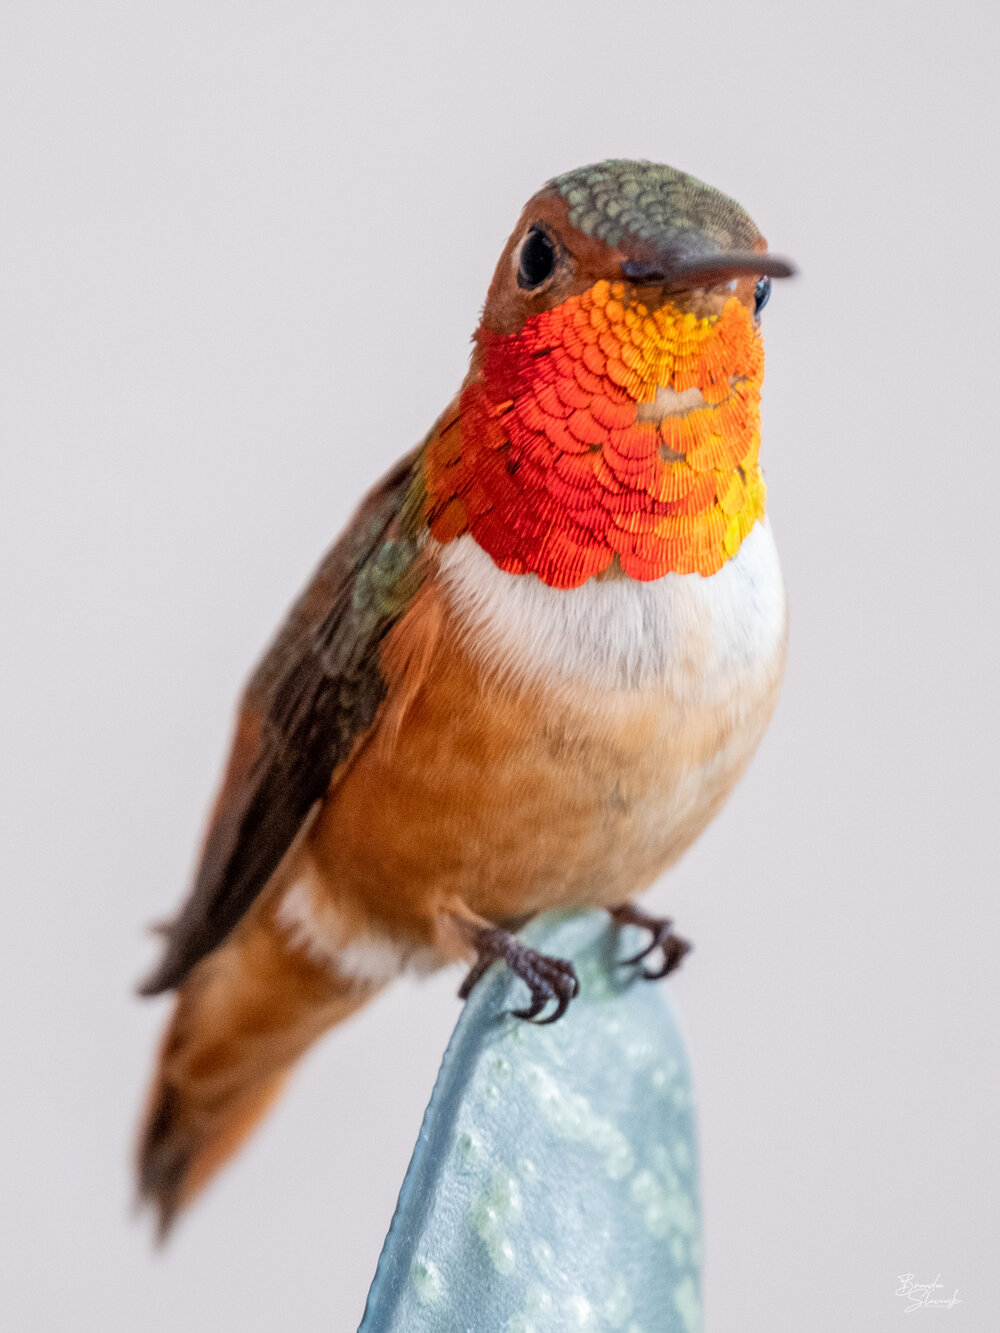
{"type": "Point", "coordinates": [243, 249]}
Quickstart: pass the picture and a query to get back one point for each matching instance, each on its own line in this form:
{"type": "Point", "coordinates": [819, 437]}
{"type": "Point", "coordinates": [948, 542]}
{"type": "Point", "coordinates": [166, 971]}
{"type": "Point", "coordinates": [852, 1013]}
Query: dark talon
{"type": "Point", "coordinates": [561, 1006]}
{"type": "Point", "coordinates": [643, 953]}
{"type": "Point", "coordinates": [672, 946]}
{"type": "Point", "coordinates": [477, 970]}
{"type": "Point", "coordinates": [547, 978]}
{"type": "Point", "coordinates": [536, 1007]}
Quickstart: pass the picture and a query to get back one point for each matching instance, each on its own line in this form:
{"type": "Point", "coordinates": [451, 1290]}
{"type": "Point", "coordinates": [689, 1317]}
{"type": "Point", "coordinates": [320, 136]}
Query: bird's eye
{"type": "Point", "coordinates": [537, 259]}
{"type": "Point", "coordinates": [761, 293]}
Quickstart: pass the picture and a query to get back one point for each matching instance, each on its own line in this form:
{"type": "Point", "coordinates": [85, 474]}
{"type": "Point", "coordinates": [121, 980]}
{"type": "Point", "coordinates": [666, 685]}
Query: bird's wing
{"type": "Point", "coordinates": [317, 689]}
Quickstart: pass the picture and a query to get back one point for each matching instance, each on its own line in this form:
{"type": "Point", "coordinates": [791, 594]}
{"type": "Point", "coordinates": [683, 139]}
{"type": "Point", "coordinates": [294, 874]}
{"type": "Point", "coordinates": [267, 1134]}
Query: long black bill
{"type": "Point", "coordinates": [706, 270]}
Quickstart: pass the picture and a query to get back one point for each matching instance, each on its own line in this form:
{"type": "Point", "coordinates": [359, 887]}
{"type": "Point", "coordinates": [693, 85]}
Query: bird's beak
{"type": "Point", "coordinates": [704, 270]}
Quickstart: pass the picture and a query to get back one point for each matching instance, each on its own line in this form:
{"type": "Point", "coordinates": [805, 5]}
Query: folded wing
{"type": "Point", "coordinates": [316, 692]}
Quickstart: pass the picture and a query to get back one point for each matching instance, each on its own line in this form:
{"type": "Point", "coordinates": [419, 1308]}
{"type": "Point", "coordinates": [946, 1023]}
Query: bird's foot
{"type": "Point", "coordinates": [547, 978]}
{"type": "Point", "coordinates": [671, 946]}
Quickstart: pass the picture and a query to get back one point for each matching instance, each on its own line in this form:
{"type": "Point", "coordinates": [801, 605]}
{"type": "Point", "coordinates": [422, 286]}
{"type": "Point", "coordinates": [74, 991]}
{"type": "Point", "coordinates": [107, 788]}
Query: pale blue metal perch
{"type": "Point", "coordinates": [554, 1181]}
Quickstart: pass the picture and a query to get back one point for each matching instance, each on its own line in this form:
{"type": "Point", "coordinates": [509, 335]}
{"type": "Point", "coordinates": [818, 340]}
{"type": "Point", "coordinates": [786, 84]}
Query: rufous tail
{"type": "Point", "coordinates": [240, 1021]}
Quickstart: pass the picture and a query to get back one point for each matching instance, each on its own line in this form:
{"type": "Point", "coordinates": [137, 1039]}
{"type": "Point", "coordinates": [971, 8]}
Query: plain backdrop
{"type": "Point", "coordinates": [242, 249]}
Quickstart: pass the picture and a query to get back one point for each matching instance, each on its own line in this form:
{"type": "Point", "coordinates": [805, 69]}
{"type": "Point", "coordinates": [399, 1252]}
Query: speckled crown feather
{"type": "Point", "coordinates": [658, 204]}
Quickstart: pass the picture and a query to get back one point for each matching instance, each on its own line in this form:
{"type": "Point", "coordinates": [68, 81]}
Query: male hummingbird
{"type": "Point", "coordinates": [526, 676]}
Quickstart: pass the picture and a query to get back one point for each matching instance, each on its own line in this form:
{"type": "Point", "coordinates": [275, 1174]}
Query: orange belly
{"type": "Point", "coordinates": [503, 800]}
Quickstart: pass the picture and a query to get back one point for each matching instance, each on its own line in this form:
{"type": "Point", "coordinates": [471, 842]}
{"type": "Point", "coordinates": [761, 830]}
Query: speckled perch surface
{"type": "Point", "coordinates": [554, 1181]}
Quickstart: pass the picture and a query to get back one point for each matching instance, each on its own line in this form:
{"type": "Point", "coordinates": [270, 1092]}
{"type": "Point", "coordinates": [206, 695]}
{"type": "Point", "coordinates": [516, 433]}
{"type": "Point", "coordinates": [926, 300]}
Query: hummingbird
{"type": "Point", "coordinates": [526, 676]}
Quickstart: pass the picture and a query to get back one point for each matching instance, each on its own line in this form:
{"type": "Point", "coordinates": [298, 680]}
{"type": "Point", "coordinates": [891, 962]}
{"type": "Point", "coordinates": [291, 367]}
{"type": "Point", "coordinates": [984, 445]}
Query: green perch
{"type": "Point", "coordinates": [554, 1181]}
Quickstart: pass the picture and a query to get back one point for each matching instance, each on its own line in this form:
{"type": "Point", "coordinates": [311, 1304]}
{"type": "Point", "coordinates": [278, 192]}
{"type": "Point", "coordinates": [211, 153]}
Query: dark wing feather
{"type": "Point", "coordinates": [316, 690]}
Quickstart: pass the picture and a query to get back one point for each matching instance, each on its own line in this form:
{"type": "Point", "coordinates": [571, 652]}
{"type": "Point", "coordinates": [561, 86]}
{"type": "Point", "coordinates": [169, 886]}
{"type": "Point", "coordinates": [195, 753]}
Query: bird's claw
{"type": "Point", "coordinates": [662, 937]}
{"type": "Point", "coordinates": [547, 978]}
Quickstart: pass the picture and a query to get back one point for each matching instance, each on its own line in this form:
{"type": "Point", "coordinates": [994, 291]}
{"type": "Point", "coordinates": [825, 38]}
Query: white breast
{"type": "Point", "coordinates": [699, 637]}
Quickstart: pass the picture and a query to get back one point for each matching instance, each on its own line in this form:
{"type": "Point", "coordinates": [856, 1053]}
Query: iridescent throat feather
{"type": "Point", "coordinates": [551, 466]}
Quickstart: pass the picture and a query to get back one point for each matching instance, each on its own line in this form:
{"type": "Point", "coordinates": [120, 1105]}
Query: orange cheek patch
{"type": "Point", "coordinates": [550, 470]}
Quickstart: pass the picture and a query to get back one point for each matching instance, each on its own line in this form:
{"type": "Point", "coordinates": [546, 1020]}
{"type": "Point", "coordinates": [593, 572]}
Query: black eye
{"type": "Point", "coordinates": [761, 294]}
{"type": "Point", "coordinates": [537, 260]}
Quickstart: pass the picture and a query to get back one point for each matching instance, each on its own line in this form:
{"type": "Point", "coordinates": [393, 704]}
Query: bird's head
{"type": "Point", "coordinates": [610, 419]}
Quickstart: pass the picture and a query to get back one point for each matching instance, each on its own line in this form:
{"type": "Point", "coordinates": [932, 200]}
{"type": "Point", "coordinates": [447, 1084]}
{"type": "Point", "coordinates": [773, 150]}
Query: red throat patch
{"type": "Point", "coordinates": [549, 464]}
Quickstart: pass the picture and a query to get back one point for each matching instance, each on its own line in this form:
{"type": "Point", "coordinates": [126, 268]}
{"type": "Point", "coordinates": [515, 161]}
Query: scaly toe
{"type": "Point", "coordinates": [546, 978]}
{"type": "Point", "coordinates": [662, 937]}
{"type": "Point", "coordinates": [674, 949]}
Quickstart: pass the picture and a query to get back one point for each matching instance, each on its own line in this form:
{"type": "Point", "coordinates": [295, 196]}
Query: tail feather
{"type": "Point", "coordinates": [241, 1020]}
